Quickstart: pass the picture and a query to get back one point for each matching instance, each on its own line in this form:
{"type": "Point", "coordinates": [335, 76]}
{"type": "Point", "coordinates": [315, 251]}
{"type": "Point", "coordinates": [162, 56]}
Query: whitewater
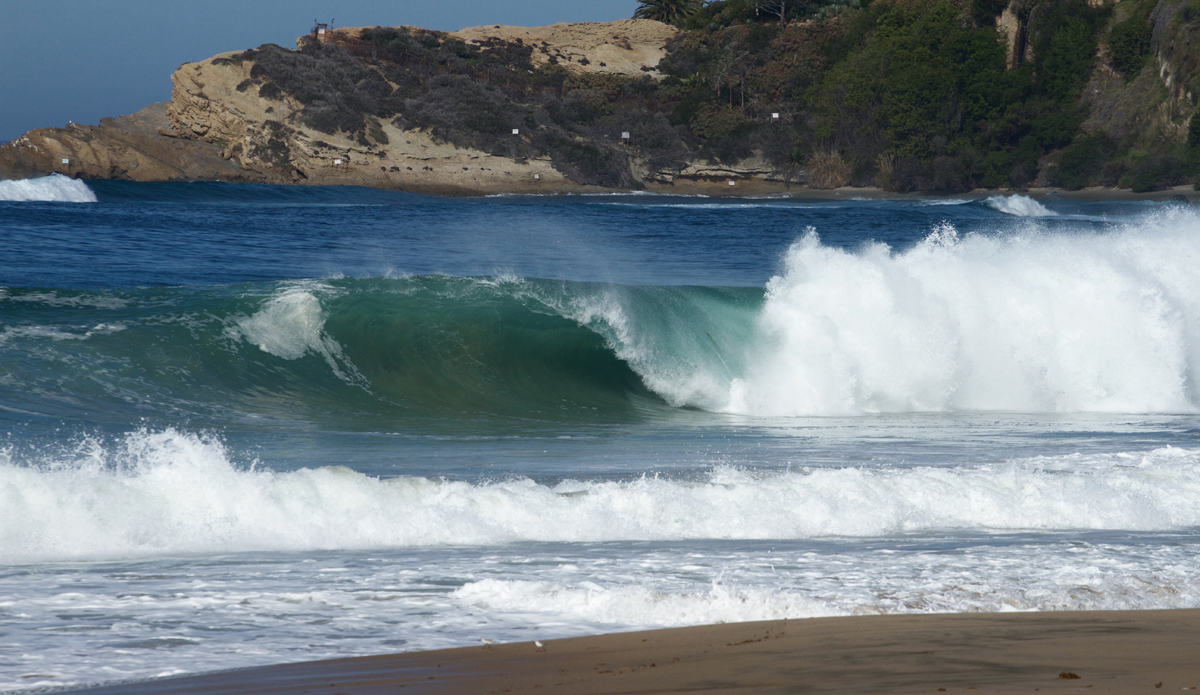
{"type": "Point", "coordinates": [249, 424]}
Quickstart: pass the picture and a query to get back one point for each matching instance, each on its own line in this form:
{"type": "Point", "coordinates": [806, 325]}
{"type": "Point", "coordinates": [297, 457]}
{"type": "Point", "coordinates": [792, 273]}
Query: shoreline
{"type": "Point", "coordinates": [1077, 651]}
{"type": "Point", "coordinates": [746, 189]}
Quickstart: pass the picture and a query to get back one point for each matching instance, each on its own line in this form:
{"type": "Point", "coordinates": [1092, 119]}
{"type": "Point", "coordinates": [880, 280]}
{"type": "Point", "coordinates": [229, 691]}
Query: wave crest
{"type": "Point", "coordinates": [170, 492]}
{"type": "Point", "coordinates": [54, 188]}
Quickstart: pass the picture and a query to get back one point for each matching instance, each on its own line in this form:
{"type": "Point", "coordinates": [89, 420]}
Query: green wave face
{"type": "Point", "coordinates": [371, 352]}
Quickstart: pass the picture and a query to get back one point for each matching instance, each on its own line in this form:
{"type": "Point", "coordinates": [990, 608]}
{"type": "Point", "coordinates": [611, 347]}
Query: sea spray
{"type": "Point", "coordinates": [1028, 321]}
{"type": "Point", "coordinates": [54, 188]}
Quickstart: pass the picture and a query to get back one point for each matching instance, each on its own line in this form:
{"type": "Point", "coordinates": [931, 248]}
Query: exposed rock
{"type": "Point", "coordinates": [267, 138]}
{"type": "Point", "coordinates": [627, 47]}
{"type": "Point", "coordinates": [138, 147]}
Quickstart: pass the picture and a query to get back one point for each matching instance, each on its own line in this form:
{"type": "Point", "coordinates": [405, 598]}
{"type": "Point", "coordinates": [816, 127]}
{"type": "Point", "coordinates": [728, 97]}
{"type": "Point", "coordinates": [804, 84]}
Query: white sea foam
{"type": "Point", "coordinates": [640, 605]}
{"type": "Point", "coordinates": [1019, 205]}
{"type": "Point", "coordinates": [291, 324]}
{"type": "Point", "coordinates": [54, 188]}
{"type": "Point", "coordinates": [168, 492]}
{"type": "Point", "coordinates": [35, 332]}
{"type": "Point", "coordinates": [1029, 322]}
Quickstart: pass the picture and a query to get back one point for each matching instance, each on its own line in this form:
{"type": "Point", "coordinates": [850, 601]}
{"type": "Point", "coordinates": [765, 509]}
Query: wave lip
{"type": "Point", "coordinates": [54, 188]}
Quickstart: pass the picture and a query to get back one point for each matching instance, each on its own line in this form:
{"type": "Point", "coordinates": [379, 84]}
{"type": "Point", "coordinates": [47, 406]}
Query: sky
{"type": "Point", "coordinates": [82, 60]}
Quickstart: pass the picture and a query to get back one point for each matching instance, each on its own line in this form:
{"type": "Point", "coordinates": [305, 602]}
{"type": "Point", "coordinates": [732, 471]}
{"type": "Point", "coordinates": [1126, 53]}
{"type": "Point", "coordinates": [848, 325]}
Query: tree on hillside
{"type": "Point", "coordinates": [667, 11]}
{"type": "Point", "coordinates": [775, 7]}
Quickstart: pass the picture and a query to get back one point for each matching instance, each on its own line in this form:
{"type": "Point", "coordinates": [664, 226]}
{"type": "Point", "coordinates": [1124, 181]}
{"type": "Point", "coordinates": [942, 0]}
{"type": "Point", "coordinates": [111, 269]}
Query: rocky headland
{"type": "Point", "coordinates": [215, 128]}
{"type": "Point", "coordinates": [929, 96]}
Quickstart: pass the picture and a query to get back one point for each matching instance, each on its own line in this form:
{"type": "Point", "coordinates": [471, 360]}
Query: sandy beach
{"type": "Point", "coordinates": [1093, 652]}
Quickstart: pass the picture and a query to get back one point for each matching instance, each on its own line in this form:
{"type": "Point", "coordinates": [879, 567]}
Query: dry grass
{"type": "Point", "coordinates": [885, 164]}
{"type": "Point", "coordinates": [827, 169]}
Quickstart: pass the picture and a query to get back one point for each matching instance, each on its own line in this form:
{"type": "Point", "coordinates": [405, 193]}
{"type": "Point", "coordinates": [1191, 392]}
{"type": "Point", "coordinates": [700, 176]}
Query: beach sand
{"type": "Point", "coordinates": [1087, 652]}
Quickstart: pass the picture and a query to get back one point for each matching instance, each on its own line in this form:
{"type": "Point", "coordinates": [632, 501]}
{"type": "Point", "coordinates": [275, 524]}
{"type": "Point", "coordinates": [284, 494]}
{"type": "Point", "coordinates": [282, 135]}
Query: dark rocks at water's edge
{"type": "Point", "coordinates": [920, 96]}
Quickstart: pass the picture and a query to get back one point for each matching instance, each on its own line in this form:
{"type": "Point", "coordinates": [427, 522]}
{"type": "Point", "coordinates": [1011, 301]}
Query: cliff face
{"type": "Point", "coordinates": [268, 141]}
{"type": "Point", "coordinates": [138, 147]}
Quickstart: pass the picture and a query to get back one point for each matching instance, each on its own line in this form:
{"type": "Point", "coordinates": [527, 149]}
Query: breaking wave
{"type": "Point", "coordinates": [170, 492]}
{"type": "Point", "coordinates": [54, 188]}
{"type": "Point", "coordinates": [1027, 321]}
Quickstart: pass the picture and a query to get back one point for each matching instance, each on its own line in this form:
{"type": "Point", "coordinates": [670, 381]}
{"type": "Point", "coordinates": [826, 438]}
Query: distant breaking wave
{"type": "Point", "coordinates": [1019, 206]}
{"type": "Point", "coordinates": [54, 188]}
{"type": "Point", "coordinates": [169, 492]}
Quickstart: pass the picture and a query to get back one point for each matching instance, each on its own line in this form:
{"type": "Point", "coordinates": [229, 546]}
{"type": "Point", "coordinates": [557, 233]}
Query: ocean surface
{"type": "Point", "coordinates": [243, 425]}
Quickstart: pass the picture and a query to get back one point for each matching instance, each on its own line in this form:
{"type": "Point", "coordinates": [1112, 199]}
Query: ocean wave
{"type": "Point", "coordinates": [1019, 206]}
{"type": "Point", "coordinates": [1030, 321]}
{"type": "Point", "coordinates": [54, 188]}
{"type": "Point", "coordinates": [1027, 321]}
{"type": "Point", "coordinates": [168, 492]}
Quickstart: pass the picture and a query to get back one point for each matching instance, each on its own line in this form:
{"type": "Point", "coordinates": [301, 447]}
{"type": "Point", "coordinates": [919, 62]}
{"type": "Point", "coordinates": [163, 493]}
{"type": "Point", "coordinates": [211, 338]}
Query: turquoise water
{"type": "Point", "coordinates": [251, 424]}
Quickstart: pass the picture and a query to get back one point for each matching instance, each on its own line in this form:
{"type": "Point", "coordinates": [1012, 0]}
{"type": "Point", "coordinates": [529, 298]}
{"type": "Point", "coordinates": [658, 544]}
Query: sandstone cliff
{"type": "Point", "coordinates": [138, 147]}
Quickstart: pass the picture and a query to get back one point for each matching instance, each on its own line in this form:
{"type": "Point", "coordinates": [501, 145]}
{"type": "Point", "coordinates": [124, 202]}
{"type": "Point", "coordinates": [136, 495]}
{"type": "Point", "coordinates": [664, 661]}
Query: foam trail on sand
{"type": "Point", "coordinates": [169, 492]}
{"type": "Point", "coordinates": [54, 188]}
{"type": "Point", "coordinates": [643, 606]}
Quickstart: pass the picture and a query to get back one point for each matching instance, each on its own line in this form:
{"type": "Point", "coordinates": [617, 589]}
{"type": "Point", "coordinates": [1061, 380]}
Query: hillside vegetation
{"type": "Point", "coordinates": [907, 95]}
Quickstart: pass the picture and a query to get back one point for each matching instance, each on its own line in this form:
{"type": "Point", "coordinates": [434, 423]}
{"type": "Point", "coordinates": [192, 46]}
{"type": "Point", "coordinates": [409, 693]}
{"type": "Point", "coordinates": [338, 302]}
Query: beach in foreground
{"type": "Point", "coordinates": [1084, 651]}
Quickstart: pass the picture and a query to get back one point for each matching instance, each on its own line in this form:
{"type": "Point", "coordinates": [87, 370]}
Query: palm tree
{"type": "Point", "coordinates": [667, 11]}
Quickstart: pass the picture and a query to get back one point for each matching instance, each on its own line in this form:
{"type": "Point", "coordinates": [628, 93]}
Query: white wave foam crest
{"type": "Point", "coordinates": [291, 324]}
{"type": "Point", "coordinates": [54, 188]}
{"type": "Point", "coordinates": [169, 492]}
{"type": "Point", "coordinates": [639, 606]}
{"type": "Point", "coordinates": [1018, 205]}
{"type": "Point", "coordinates": [1029, 322]}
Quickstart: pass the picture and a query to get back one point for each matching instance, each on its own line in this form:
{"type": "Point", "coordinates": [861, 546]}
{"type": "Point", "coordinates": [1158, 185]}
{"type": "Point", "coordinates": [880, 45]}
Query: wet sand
{"type": "Point", "coordinates": [1086, 652]}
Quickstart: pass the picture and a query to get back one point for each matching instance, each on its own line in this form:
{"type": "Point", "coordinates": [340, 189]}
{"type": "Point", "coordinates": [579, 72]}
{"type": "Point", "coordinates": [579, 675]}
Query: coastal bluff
{"type": "Point", "coordinates": [931, 97]}
{"type": "Point", "coordinates": [220, 124]}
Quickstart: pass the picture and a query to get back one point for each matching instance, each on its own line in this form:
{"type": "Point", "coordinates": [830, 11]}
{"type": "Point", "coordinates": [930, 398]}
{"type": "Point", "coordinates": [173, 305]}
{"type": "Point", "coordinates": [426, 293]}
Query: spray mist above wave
{"type": "Point", "coordinates": [54, 188]}
{"type": "Point", "coordinates": [171, 492]}
{"type": "Point", "coordinates": [1030, 322]}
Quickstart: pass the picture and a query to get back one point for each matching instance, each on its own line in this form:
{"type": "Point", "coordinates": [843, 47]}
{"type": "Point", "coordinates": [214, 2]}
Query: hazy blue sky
{"type": "Point", "coordinates": [81, 60]}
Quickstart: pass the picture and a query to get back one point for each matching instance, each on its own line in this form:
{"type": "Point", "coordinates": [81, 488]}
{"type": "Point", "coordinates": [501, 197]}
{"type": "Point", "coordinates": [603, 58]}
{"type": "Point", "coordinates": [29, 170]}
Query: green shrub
{"type": "Point", "coordinates": [713, 121]}
{"type": "Point", "coordinates": [1156, 172]}
{"type": "Point", "coordinates": [1129, 44]}
{"type": "Point", "coordinates": [1082, 161]}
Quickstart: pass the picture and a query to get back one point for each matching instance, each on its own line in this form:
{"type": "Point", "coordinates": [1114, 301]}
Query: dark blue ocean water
{"type": "Point", "coordinates": [249, 424]}
{"type": "Point", "coordinates": [170, 234]}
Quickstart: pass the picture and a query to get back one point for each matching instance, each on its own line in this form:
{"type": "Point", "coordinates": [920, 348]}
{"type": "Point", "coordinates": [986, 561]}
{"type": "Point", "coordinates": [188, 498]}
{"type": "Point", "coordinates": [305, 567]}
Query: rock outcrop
{"type": "Point", "coordinates": [269, 143]}
{"type": "Point", "coordinates": [628, 47]}
{"type": "Point", "coordinates": [138, 147]}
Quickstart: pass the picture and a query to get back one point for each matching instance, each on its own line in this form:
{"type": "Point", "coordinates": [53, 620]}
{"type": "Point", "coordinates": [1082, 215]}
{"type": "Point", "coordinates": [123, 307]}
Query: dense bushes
{"type": "Point", "coordinates": [1129, 44]}
{"type": "Point", "coordinates": [1081, 163]}
{"type": "Point", "coordinates": [334, 86]}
